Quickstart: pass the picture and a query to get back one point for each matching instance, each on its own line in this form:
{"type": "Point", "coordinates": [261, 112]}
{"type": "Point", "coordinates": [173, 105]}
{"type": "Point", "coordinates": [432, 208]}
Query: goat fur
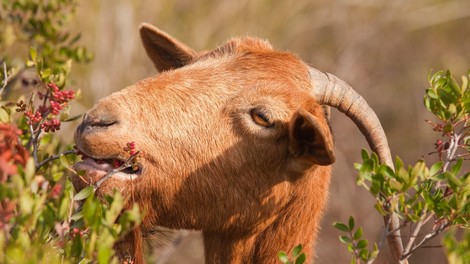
{"type": "Point", "coordinates": [208, 165]}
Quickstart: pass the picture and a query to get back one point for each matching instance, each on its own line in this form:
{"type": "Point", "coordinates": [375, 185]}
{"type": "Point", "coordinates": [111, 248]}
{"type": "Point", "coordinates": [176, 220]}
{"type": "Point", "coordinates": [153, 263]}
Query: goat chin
{"type": "Point", "coordinates": [236, 144]}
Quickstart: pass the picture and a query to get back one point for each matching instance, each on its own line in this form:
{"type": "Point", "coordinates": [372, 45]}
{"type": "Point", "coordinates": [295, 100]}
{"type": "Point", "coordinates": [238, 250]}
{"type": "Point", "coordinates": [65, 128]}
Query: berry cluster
{"type": "Point", "coordinates": [33, 118]}
{"type": "Point", "coordinates": [61, 96]}
{"type": "Point", "coordinates": [131, 148]}
{"type": "Point", "coordinates": [45, 114]}
{"type": "Point", "coordinates": [51, 125]}
{"type": "Point", "coordinates": [134, 153]}
{"type": "Point", "coordinates": [74, 232]}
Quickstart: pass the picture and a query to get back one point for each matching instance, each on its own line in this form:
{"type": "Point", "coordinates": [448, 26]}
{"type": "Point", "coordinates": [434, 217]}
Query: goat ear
{"type": "Point", "coordinates": [165, 52]}
{"type": "Point", "coordinates": [311, 140]}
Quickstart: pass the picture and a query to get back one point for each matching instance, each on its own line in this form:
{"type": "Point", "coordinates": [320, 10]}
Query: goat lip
{"type": "Point", "coordinates": [98, 170]}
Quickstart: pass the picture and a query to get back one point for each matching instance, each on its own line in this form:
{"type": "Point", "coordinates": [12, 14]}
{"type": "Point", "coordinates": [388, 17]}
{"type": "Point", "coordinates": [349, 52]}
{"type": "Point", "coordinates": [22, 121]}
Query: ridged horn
{"type": "Point", "coordinates": [330, 90]}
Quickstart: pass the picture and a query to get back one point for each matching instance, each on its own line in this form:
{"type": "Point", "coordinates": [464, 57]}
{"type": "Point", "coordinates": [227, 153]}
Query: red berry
{"type": "Point", "coordinates": [116, 163]}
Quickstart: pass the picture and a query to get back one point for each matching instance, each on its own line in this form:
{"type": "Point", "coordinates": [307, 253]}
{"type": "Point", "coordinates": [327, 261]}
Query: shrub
{"type": "Point", "coordinates": [41, 216]}
{"type": "Point", "coordinates": [421, 194]}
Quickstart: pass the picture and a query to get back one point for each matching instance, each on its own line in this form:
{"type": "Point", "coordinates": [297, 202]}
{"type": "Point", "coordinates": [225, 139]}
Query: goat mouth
{"type": "Point", "coordinates": [98, 168]}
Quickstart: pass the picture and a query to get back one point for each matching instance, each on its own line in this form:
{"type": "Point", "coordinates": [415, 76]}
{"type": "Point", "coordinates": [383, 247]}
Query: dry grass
{"type": "Point", "coordinates": [385, 49]}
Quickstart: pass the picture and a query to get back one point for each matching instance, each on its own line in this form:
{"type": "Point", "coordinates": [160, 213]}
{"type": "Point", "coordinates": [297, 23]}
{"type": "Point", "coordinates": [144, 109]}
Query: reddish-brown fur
{"type": "Point", "coordinates": [208, 164]}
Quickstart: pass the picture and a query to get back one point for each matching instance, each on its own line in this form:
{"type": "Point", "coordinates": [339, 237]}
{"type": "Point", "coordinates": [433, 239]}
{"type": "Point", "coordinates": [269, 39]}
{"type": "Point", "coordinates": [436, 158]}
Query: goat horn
{"type": "Point", "coordinates": [330, 90]}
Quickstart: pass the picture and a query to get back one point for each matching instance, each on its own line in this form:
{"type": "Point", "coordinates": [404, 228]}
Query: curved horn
{"type": "Point", "coordinates": [330, 90]}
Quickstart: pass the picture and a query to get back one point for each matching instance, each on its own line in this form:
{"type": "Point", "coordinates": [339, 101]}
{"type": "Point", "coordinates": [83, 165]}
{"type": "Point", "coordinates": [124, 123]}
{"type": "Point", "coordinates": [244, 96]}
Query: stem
{"type": "Point", "coordinates": [51, 158]}
{"type": "Point", "coordinates": [460, 156]}
{"type": "Point", "coordinates": [33, 142]}
{"type": "Point", "coordinates": [424, 240]}
{"type": "Point", "coordinates": [356, 254]}
{"type": "Point", "coordinates": [415, 232]}
{"type": "Point", "coordinates": [453, 146]}
{"type": "Point", "coordinates": [129, 162]}
{"type": "Point", "coordinates": [35, 139]}
{"type": "Point", "coordinates": [5, 80]}
{"type": "Point", "coordinates": [36, 145]}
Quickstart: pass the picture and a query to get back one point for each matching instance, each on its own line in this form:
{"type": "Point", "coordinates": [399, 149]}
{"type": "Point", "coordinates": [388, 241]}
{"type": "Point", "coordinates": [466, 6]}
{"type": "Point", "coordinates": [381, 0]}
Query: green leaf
{"type": "Point", "coordinates": [387, 171]}
{"type": "Point", "coordinates": [375, 252]}
{"type": "Point", "coordinates": [345, 239]}
{"type": "Point", "coordinates": [29, 170]}
{"type": "Point", "coordinates": [104, 255]}
{"type": "Point", "coordinates": [83, 193]}
{"type": "Point", "coordinates": [453, 180]}
{"type": "Point", "coordinates": [351, 223]}
{"type": "Point", "coordinates": [456, 168]}
{"type": "Point", "coordinates": [296, 251]}
{"type": "Point", "coordinates": [73, 118]}
{"type": "Point", "coordinates": [465, 84]}
{"type": "Point", "coordinates": [114, 209]}
{"type": "Point", "coordinates": [341, 226]}
{"type": "Point", "coordinates": [364, 254]}
{"type": "Point", "coordinates": [26, 204]}
{"type": "Point", "coordinates": [431, 93]}
{"type": "Point", "coordinates": [33, 53]}
{"type": "Point", "coordinates": [379, 208]}
{"type": "Point", "coordinates": [4, 116]}
{"type": "Point", "coordinates": [77, 216]}
{"type": "Point", "coordinates": [448, 128]}
{"type": "Point", "coordinates": [364, 155]}
{"type": "Point", "coordinates": [301, 259]}
{"type": "Point", "coordinates": [358, 233]}
{"type": "Point", "coordinates": [362, 244]}
{"type": "Point", "coordinates": [452, 109]}
{"type": "Point", "coordinates": [283, 256]}
{"type": "Point", "coordinates": [398, 163]}
{"type": "Point", "coordinates": [454, 86]}
{"type": "Point", "coordinates": [77, 247]}
{"type": "Point", "coordinates": [65, 162]}
{"type": "Point", "coordinates": [436, 168]}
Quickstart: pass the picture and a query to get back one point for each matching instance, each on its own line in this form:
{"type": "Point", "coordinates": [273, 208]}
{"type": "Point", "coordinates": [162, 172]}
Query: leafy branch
{"type": "Point", "coordinates": [418, 193]}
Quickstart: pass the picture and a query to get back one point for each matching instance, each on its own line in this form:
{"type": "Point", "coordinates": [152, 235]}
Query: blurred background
{"type": "Point", "coordinates": [384, 49]}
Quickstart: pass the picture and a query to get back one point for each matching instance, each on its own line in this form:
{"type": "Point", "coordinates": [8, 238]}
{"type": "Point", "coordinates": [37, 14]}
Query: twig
{"type": "Point", "coordinates": [424, 240]}
{"type": "Point", "coordinates": [415, 232]}
{"type": "Point", "coordinates": [51, 158]}
{"type": "Point", "coordinates": [460, 156]}
{"type": "Point", "coordinates": [5, 80]}
{"type": "Point", "coordinates": [434, 246]}
{"type": "Point", "coordinates": [453, 146]}
{"type": "Point", "coordinates": [128, 163]}
{"type": "Point", "coordinates": [390, 232]}
{"type": "Point", "coordinates": [35, 139]}
{"type": "Point", "coordinates": [33, 142]}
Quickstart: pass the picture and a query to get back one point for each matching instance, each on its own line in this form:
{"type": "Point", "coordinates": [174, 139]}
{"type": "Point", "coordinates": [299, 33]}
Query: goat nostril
{"type": "Point", "coordinates": [89, 122]}
{"type": "Point", "coordinates": [102, 123]}
{"type": "Point", "coordinates": [100, 120]}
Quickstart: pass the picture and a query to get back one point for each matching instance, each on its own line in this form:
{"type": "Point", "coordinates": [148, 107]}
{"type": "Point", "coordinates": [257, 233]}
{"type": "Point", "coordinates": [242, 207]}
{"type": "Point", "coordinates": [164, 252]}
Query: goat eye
{"type": "Point", "coordinates": [260, 118]}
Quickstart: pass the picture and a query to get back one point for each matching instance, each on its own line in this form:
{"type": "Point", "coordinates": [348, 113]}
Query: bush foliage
{"type": "Point", "coordinates": [436, 195]}
{"type": "Point", "coordinates": [41, 216]}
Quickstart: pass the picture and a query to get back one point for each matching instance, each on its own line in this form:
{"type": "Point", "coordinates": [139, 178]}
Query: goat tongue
{"type": "Point", "coordinates": [98, 164]}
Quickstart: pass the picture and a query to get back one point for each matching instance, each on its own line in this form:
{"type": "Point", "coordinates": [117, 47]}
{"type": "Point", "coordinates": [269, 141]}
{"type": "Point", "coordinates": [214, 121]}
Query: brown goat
{"type": "Point", "coordinates": [235, 144]}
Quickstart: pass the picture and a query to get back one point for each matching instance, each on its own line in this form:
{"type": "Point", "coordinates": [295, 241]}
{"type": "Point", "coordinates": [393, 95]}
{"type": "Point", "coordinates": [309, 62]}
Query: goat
{"type": "Point", "coordinates": [235, 141]}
